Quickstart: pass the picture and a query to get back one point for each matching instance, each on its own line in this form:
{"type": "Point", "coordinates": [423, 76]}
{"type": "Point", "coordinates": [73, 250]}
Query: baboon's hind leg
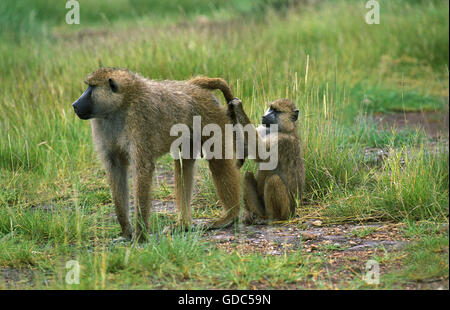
{"type": "Point", "coordinates": [252, 201]}
{"type": "Point", "coordinates": [226, 180]}
{"type": "Point", "coordinates": [276, 199]}
{"type": "Point", "coordinates": [184, 181]}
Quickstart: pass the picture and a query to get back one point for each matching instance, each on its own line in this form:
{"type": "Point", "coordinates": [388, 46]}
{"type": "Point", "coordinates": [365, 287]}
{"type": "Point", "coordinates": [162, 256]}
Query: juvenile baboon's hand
{"type": "Point", "coordinates": [235, 108]}
{"type": "Point", "coordinates": [236, 102]}
{"type": "Point", "coordinates": [237, 113]}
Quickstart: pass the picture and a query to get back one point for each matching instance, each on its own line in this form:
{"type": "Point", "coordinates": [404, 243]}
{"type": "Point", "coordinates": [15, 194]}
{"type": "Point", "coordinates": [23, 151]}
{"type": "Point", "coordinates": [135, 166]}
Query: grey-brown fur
{"type": "Point", "coordinates": [131, 129]}
{"type": "Point", "coordinates": [273, 194]}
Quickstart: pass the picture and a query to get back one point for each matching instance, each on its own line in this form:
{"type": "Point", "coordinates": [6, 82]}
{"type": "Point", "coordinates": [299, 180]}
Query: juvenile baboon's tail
{"type": "Point", "coordinates": [212, 84]}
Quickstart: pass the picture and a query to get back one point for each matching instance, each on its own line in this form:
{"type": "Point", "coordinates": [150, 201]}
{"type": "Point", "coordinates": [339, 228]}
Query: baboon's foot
{"type": "Point", "coordinates": [221, 223]}
{"type": "Point", "coordinates": [127, 234]}
{"type": "Point", "coordinates": [249, 218]}
{"type": "Point", "coordinates": [125, 237]}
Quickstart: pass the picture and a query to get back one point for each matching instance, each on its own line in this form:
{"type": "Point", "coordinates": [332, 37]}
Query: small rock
{"type": "Point", "coordinates": [317, 223]}
{"type": "Point", "coordinates": [308, 236]}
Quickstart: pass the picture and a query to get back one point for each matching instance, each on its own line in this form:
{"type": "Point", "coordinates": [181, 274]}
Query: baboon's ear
{"type": "Point", "coordinates": [295, 115]}
{"type": "Point", "coordinates": [113, 85]}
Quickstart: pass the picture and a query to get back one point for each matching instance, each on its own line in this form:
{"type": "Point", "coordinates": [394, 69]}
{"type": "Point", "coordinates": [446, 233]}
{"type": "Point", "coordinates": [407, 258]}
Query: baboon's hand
{"type": "Point", "coordinates": [235, 107]}
{"type": "Point", "coordinates": [237, 113]}
{"type": "Point", "coordinates": [236, 102]}
{"type": "Point", "coordinates": [232, 108]}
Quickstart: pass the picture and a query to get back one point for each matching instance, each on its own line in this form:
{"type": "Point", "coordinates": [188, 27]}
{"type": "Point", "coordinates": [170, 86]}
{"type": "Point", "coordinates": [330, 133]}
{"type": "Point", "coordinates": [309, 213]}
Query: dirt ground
{"type": "Point", "coordinates": [278, 238]}
{"type": "Point", "coordinates": [435, 124]}
{"type": "Point", "coordinates": [347, 247]}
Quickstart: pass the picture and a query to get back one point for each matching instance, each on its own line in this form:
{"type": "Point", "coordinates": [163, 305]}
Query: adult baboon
{"type": "Point", "coordinates": [131, 119]}
{"type": "Point", "coordinates": [273, 194]}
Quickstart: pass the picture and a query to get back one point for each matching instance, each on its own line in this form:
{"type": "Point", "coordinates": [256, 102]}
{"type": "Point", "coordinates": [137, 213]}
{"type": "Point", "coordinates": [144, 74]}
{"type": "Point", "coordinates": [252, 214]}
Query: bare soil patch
{"type": "Point", "coordinates": [11, 278]}
{"type": "Point", "coordinates": [435, 124]}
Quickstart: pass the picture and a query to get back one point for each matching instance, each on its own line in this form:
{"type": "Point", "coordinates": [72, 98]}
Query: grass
{"type": "Point", "coordinates": [20, 18]}
{"type": "Point", "coordinates": [426, 260]}
{"type": "Point", "coordinates": [54, 199]}
{"type": "Point", "coordinates": [364, 232]}
{"type": "Point", "coordinates": [377, 99]}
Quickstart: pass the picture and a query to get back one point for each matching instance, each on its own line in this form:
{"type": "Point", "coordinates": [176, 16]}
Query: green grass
{"type": "Point", "coordinates": [180, 260]}
{"type": "Point", "coordinates": [426, 260]}
{"type": "Point", "coordinates": [431, 253]}
{"type": "Point", "coordinates": [377, 99]}
{"type": "Point", "coordinates": [21, 18]}
{"type": "Point", "coordinates": [363, 232]}
{"type": "Point", "coordinates": [54, 199]}
{"type": "Point", "coordinates": [412, 185]}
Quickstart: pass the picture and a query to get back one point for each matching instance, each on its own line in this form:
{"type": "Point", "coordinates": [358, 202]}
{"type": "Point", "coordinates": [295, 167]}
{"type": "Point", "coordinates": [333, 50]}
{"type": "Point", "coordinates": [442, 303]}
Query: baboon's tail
{"type": "Point", "coordinates": [212, 84]}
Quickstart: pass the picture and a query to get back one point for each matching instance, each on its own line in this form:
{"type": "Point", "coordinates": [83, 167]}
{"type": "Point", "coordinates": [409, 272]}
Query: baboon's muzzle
{"type": "Point", "coordinates": [269, 119]}
{"type": "Point", "coordinates": [83, 106]}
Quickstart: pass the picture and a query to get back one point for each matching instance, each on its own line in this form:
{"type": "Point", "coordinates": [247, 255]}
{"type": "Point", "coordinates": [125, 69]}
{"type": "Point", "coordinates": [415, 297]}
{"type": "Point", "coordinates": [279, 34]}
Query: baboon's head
{"type": "Point", "coordinates": [105, 93]}
{"type": "Point", "coordinates": [283, 113]}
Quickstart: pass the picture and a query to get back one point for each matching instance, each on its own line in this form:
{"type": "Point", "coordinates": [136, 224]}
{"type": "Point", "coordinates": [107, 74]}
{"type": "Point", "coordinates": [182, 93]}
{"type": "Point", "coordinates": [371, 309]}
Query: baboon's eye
{"type": "Point", "coordinates": [295, 116]}
{"type": "Point", "coordinates": [113, 85]}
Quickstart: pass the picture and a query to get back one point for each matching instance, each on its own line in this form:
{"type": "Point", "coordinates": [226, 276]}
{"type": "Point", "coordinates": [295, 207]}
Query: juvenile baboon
{"type": "Point", "coordinates": [131, 118]}
{"type": "Point", "coordinates": [273, 194]}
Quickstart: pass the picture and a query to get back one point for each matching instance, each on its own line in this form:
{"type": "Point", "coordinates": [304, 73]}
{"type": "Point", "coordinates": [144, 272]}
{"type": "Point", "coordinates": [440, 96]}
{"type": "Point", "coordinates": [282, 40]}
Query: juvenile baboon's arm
{"type": "Point", "coordinates": [235, 108]}
{"type": "Point", "coordinates": [240, 117]}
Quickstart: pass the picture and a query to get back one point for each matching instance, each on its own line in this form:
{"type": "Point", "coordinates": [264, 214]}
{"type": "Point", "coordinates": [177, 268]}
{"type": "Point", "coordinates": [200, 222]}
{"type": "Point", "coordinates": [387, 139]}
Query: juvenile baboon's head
{"type": "Point", "coordinates": [105, 94]}
{"type": "Point", "coordinates": [283, 113]}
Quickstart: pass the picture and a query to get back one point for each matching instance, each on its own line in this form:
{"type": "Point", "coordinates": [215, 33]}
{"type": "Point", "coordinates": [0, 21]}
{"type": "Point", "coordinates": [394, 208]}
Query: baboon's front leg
{"type": "Point", "coordinates": [226, 180]}
{"type": "Point", "coordinates": [117, 172]}
{"type": "Point", "coordinates": [143, 199]}
{"type": "Point", "coordinates": [184, 181]}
